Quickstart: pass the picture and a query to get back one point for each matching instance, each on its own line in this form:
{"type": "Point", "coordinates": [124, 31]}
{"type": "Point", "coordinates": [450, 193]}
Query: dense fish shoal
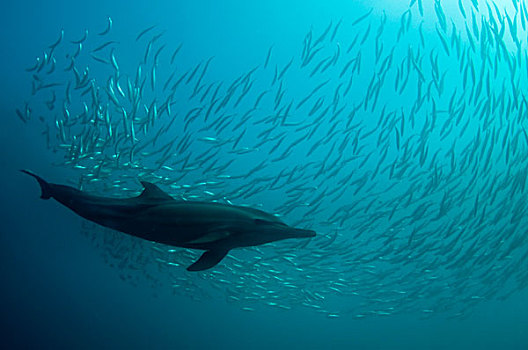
{"type": "Point", "coordinates": [401, 142]}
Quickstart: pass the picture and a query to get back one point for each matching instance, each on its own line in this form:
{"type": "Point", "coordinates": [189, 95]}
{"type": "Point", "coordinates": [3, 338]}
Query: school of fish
{"type": "Point", "coordinates": [401, 143]}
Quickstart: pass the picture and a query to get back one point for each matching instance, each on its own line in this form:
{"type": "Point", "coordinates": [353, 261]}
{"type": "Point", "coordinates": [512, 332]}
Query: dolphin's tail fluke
{"type": "Point", "coordinates": [44, 186]}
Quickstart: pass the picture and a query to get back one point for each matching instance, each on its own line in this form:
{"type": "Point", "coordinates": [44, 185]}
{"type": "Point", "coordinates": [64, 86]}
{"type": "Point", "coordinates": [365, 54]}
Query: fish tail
{"type": "Point", "coordinates": [45, 187]}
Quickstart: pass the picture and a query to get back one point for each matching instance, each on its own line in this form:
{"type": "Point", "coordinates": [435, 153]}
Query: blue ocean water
{"type": "Point", "coordinates": [60, 290]}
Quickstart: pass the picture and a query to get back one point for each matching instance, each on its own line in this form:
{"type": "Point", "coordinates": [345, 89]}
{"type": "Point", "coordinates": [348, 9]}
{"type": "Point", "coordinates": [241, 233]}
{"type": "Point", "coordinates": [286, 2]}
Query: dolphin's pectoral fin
{"type": "Point", "coordinates": [208, 259]}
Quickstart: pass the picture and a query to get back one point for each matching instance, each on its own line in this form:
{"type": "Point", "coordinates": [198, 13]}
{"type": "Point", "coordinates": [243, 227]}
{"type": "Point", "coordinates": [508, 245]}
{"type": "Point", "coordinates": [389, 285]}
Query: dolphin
{"type": "Point", "coordinates": [156, 216]}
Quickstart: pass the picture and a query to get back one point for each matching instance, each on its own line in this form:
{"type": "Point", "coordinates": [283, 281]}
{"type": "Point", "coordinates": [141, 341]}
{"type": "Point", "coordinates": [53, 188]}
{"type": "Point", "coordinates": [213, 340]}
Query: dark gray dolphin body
{"type": "Point", "coordinates": [156, 216]}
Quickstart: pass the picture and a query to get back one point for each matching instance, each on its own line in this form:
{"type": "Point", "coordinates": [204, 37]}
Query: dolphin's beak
{"type": "Point", "coordinates": [301, 233]}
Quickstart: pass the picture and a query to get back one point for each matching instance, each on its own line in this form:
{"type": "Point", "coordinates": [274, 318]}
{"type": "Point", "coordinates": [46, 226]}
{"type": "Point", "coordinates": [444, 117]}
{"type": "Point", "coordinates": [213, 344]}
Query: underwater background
{"type": "Point", "coordinates": [392, 129]}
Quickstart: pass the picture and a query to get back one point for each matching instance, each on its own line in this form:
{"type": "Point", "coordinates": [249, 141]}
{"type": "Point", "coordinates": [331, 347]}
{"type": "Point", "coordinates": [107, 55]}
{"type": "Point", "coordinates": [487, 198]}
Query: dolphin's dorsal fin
{"type": "Point", "coordinates": [152, 191]}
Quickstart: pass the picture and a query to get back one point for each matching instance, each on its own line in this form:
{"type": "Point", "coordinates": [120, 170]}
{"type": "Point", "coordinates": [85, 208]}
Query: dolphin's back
{"type": "Point", "coordinates": [191, 219]}
{"type": "Point", "coordinates": [203, 212]}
